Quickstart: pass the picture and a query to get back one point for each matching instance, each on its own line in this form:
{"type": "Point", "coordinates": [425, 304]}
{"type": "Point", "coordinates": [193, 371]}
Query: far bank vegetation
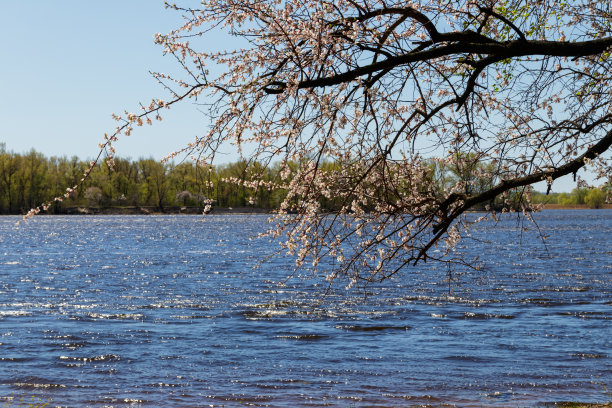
{"type": "Point", "coordinates": [28, 179]}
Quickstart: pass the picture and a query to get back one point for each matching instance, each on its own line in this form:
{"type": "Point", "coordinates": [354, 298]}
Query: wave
{"type": "Point", "coordinates": [103, 357]}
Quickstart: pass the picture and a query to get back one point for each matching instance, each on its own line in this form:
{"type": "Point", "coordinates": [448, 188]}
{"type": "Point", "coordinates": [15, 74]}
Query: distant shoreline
{"type": "Point", "coordinates": [574, 207]}
{"type": "Point", "coordinates": [134, 210]}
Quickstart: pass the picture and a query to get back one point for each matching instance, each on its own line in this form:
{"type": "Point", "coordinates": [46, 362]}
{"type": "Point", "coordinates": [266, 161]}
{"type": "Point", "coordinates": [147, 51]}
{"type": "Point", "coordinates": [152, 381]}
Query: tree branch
{"type": "Point", "coordinates": [512, 49]}
{"type": "Point", "coordinates": [506, 185]}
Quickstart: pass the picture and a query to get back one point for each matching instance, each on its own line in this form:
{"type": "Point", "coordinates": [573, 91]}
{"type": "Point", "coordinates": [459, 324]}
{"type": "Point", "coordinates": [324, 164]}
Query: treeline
{"type": "Point", "coordinates": [27, 180]}
{"type": "Point", "coordinates": [591, 197]}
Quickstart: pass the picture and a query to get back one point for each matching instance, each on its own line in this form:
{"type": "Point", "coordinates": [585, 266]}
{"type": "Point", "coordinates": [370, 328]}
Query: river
{"type": "Point", "coordinates": [148, 311]}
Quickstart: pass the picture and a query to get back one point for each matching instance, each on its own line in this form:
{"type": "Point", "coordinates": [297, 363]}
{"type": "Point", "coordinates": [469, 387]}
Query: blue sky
{"type": "Point", "coordinates": [67, 65]}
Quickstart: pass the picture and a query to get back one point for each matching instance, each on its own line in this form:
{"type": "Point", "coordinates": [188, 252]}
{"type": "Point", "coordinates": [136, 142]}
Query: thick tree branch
{"type": "Point", "coordinates": [568, 168]}
{"type": "Point", "coordinates": [512, 49]}
{"type": "Point", "coordinates": [506, 185]}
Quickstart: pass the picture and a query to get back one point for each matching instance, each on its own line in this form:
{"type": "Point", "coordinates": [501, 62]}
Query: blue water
{"type": "Point", "coordinates": [149, 311]}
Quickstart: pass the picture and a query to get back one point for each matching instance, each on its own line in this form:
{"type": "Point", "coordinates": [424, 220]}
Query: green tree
{"type": "Point", "coordinates": [566, 199]}
{"type": "Point", "coordinates": [580, 194]}
{"type": "Point", "coordinates": [156, 183]}
{"type": "Point", "coordinates": [595, 198]}
{"type": "Point", "coordinates": [33, 178]}
{"type": "Point", "coordinates": [10, 164]}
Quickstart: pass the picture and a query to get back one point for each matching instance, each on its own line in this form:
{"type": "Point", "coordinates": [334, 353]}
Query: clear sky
{"type": "Point", "coordinates": [67, 65]}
